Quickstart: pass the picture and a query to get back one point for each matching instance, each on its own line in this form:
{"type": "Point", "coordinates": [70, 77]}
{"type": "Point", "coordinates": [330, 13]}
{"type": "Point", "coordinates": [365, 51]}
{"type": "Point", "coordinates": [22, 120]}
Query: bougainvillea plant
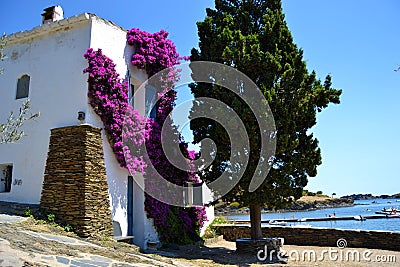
{"type": "Point", "coordinates": [108, 95]}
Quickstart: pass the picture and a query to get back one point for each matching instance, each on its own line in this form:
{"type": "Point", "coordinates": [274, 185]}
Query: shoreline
{"type": "Point", "coordinates": [314, 206]}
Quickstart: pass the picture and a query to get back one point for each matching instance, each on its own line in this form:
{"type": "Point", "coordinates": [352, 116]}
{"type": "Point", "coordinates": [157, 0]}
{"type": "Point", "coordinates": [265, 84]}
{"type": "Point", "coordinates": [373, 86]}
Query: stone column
{"type": "Point", "coordinates": [75, 186]}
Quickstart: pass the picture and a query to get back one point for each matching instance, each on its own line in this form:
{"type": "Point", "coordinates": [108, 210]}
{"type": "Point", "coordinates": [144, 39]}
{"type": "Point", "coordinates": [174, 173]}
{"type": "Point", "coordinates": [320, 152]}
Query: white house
{"type": "Point", "coordinates": [46, 64]}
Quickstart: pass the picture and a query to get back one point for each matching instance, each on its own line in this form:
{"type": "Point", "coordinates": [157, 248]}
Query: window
{"type": "Point", "coordinates": [151, 105]}
{"type": "Point", "coordinates": [131, 94]}
{"type": "Point", "coordinates": [23, 86]}
{"type": "Point", "coordinates": [131, 90]}
{"type": "Point", "coordinates": [5, 177]}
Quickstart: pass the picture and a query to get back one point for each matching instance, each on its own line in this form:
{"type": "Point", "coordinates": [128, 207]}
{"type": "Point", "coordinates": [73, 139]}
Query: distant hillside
{"type": "Point", "coordinates": [304, 203]}
{"type": "Point", "coordinates": [320, 202]}
{"type": "Point", "coordinates": [369, 196]}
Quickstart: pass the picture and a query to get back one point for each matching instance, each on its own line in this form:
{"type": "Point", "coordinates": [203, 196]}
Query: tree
{"type": "Point", "coordinates": [10, 131]}
{"type": "Point", "coordinates": [252, 36]}
{"type": "Point", "coordinates": [2, 45]}
{"type": "Point", "coordinates": [333, 194]}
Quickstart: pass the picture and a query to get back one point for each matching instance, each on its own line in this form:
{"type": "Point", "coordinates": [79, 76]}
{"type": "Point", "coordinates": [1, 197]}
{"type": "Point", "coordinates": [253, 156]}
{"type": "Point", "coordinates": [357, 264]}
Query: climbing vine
{"type": "Point", "coordinates": [108, 95]}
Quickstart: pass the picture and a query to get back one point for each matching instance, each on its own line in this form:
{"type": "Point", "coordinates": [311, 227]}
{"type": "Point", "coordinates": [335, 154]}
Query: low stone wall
{"type": "Point", "coordinates": [75, 186]}
{"type": "Point", "coordinates": [18, 208]}
{"type": "Point", "coordinates": [319, 236]}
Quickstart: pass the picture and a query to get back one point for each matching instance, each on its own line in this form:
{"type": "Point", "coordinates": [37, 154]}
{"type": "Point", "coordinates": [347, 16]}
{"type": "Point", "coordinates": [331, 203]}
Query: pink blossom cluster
{"type": "Point", "coordinates": [153, 52]}
{"type": "Point", "coordinates": [108, 95]}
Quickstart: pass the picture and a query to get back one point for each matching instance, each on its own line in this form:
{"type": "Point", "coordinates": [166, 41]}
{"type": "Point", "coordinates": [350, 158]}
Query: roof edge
{"type": "Point", "coordinates": [56, 26]}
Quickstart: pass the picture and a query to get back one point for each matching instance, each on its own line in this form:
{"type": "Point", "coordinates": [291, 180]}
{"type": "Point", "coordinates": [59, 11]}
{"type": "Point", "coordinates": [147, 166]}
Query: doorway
{"type": "Point", "coordinates": [5, 177]}
{"type": "Point", "coordinates": [130, 205]}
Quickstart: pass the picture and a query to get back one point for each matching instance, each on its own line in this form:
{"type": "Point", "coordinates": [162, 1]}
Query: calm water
{"type": "Point", "coordinates": [359, 209]}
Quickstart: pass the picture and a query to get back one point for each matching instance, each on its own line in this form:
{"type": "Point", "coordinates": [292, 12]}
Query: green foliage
{"type": "Point", "coordinates": [68, 228]}
{"type": "Point", "coordinates": [220, 220]}
{"type": "Point", "coordinates": [11, 132]}
{"type": "Point", "coordinates": [106, 241]}
{"type": "Point", "coordinates": [3, 43]}
{"type": "Point", "coordinates": [176, 232]}
{"type": "Point", "coordinates": [309, 193]}
{"type": "Point", "coordinates": [28, 212]}
{"type": "Point", "coordinates": [253, 37]}
{"type": "Point", "coordinates": [234, 204]}
{"type": "Point", "coordinates": [51, 218]}
{"type": "Point", "coordinates": [211, 231]}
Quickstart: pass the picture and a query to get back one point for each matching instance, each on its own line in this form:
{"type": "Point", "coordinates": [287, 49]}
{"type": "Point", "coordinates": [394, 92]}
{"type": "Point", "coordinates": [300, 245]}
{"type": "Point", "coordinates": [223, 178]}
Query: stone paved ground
{"type": "Point", "coordinates": [222, 253]}
{"type": "Point", "coordinates": [20, 246]}
{"type": "Point", "coordinates": [24, 243]}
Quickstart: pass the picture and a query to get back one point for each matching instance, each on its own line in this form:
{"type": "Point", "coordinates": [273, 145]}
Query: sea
{"type": "Point", "coordinates": [361, 207]}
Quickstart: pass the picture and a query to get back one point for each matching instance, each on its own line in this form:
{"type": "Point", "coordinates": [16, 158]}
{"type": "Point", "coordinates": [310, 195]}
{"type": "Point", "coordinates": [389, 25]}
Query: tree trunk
{"type": "Point", "coordinates": [255, 222]}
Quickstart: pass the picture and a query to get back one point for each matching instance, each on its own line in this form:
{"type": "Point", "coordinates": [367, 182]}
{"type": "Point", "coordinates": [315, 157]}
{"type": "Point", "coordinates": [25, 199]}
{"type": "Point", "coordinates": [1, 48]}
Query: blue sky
{"type": "Point", "coordinates": [357, 42]}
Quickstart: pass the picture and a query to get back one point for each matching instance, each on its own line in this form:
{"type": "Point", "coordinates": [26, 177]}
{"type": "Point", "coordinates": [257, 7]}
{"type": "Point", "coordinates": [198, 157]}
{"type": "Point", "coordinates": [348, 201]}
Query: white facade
{"type": "Point", "coordinates": [53, 59]}
{"type": "Point", "coordinates": [52, 55]}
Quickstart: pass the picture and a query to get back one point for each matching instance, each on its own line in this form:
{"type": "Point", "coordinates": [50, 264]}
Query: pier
{"type": "Point", "coordinates": [332, 218]}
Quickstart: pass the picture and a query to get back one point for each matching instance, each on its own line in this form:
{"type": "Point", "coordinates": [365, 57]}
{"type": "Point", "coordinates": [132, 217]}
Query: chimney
{"type": "Point", "coordinates": [53, 13]}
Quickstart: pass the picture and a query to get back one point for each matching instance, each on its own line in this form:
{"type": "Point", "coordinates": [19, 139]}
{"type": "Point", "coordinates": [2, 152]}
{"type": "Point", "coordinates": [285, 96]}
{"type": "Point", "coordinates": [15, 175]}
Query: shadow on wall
{"type": "Point", "coordinates": [118, 200]}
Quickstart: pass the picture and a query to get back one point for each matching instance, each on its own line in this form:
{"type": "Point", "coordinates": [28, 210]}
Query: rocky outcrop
{"type": "Point", "coordinates": [304, 203]}
{"type": "Point", "coordinates": [370, 196]}
{"type": "Point", "coordinates": [322, 204]}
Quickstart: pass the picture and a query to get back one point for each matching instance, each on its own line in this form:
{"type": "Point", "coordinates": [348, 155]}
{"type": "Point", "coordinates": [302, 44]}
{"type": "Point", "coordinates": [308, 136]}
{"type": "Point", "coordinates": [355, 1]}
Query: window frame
{"type": "Point", "coordinates": [22, 93]}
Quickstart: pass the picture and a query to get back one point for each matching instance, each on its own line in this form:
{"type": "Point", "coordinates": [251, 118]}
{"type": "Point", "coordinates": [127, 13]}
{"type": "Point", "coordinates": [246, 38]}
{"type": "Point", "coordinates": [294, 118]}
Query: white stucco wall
{"type": "Point", "coordinates": [58, 91]}
{"type": "Point", "coordinates": [210, 219]}
{"type": "Point", "coordinates": [112, 40]}
{"type": "Point", "coordinates": [53, 57]}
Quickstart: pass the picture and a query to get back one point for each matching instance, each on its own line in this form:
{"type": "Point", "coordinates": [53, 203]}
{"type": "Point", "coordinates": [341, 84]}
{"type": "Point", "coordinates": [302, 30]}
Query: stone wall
{"type": "Point", "coordinates": [14, 208]}
{"type": "Point", "coordinates": [319, 236]}
{"type": "Point", "coordinates": [75, 186]}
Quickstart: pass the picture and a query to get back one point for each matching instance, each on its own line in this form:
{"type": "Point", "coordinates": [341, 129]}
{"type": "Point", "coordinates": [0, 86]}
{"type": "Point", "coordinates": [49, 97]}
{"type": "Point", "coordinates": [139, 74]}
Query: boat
{"type": "Point", "coordinates": [390, 210]}
{"type": "Point", "coordinates": [359, 218]}
{"type": "Point", "coordinates": [273, 222]}
{"type": "Point", "coordinates": [397, 200]}
{"type": "Point", "coordinates": [387, 211]}
{"type": "Point", "coordinates": [382, 212]}
{"type": "Point", "coordinates": [392, 215]}
{"type": "Point", "coordinates": [302, 225]}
